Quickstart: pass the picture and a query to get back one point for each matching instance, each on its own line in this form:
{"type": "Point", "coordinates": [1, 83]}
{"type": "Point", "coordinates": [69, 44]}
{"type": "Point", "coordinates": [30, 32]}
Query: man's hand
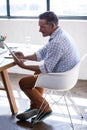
{"type": "Point", "coordinates": [19, 59]}
{"type": "Point", "coordinates": [19, 55]}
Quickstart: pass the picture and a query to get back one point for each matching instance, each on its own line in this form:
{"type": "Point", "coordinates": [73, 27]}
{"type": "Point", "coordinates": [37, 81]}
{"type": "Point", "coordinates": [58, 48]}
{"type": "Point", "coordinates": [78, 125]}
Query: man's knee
{"type": "Point", "coordinates": [27, 82]}
{"type": "Point", "coordinates": [21, 84]}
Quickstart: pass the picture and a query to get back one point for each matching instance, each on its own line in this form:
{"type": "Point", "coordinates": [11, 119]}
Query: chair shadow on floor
{"type": "Point", "coordinates": [9, 122]}
{"type": "Point", "coordinates": [38, 126]}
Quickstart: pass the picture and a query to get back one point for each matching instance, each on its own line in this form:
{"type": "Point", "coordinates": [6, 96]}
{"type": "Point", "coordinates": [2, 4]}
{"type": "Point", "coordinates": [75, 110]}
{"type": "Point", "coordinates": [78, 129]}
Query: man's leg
{"type": "Point", "coordinates": [34, 94]}
{"type": "Point", "coordinates": [41, 91]}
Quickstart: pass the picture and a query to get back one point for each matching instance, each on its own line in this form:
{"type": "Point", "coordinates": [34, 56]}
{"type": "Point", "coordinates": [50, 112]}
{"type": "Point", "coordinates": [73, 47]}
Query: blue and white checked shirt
{"type": "Point", "coordinates": [59, 54]}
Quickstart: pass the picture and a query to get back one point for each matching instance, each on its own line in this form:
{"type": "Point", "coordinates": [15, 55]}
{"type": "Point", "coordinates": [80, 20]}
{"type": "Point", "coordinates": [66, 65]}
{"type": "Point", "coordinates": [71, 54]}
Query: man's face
{"type": "Point", "coordinates": [45, 28]}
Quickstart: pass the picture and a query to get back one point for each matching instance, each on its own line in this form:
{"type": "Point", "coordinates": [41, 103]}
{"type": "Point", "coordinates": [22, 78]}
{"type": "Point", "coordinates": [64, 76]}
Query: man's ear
{"type": "Point", "coordinates": [53, 25]}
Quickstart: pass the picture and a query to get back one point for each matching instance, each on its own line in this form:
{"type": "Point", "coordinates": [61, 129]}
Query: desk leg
{"type": "Point", "coordinates": [7, 85]}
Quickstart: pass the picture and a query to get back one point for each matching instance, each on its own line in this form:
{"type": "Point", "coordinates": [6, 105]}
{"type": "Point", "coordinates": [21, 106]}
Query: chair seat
{"type": "Point", "coordinates": [59, 81]}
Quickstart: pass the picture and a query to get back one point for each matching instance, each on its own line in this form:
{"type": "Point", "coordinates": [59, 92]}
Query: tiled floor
{"type": "Point", "coordinates": [59, 119]}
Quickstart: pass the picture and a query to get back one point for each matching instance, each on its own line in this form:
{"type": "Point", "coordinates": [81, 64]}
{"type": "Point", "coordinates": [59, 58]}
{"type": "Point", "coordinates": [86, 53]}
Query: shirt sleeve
{"type": "Point", "coordinates": [54, 53]}
{"type": "Point", "coordinates": [40, 57]}
{"type": "Point", "coordinates": [51, 55]}
{"type": "Point", "coordinates": [41, 53]}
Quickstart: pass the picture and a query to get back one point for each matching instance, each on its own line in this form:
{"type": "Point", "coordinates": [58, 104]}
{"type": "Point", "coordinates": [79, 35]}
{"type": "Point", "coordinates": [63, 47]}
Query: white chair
{"type": "Point", "coordinates": [63, 82]}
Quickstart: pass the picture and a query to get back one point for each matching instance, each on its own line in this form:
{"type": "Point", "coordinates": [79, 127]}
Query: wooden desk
{"type": "Point", "coordinates": [7, 63]}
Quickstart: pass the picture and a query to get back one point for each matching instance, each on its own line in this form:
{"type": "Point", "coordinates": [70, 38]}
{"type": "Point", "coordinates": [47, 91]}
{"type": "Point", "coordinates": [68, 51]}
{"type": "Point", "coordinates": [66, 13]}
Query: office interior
{"type": "Point", "coordinates": [17, 30]}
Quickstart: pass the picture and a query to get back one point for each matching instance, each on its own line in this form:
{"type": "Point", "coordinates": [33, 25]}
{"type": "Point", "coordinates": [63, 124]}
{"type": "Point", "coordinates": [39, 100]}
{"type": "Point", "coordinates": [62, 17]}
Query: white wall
{"type": "Point", "coordinates": [17, 30]}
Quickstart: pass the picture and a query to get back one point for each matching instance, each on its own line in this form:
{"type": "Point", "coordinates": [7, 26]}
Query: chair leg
{"type": "Point", "coordinates": [65, 95]}
{"type": "Point", "coordinates": [69, 113]}
{"type": "Point", "coordinates": [74, 104]}
{"type": "Point", "coordinates": [36, 120]}
{"type": "Point", "coordinates": [57, 102]}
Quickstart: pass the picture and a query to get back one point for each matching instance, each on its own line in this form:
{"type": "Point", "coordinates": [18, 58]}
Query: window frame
{"type": "Point", "coordinates": [34, 17]}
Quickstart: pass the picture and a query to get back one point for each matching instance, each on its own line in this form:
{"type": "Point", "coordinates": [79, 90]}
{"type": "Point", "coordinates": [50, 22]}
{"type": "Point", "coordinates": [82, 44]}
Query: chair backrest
{"type": "Point", "coordinates": [60, 81]}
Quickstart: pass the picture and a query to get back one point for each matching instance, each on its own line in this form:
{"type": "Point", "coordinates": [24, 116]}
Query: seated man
{"type": "Point", "coordinates": [59, 54]}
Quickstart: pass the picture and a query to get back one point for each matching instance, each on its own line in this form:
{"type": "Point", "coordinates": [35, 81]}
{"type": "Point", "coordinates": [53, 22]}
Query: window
{"type": "Point", "coordinates": [32, 8]}
{"type": "Point", "coordinates": [3, 10]}
{"type": "Point", "coordinates": [27, 7]}
{"type": "Point", "coordinates": [69, 7]}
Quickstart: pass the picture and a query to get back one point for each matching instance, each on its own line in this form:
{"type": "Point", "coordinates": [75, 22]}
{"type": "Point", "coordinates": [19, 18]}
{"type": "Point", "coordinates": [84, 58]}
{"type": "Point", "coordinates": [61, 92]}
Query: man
{"type": "Point", "coordinates": [59, 55]}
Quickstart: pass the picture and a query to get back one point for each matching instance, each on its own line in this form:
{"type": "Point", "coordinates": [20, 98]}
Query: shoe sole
{"type": "Point", "coordinates": [26, 115]}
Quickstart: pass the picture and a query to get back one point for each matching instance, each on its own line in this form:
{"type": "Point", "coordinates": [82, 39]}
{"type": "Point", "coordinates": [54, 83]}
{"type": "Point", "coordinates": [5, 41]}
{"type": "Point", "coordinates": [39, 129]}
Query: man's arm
{"type": "Point", "coordinates": [20, 56]}
{"type": "Point", "coordinates": [21, 63]}
{"type": "Point", "coordinates": [33, 68]}
{"type": "Point", "coordinates": [31, 57]}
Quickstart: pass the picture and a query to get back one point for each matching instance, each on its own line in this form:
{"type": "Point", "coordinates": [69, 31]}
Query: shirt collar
{"type": "Point", "coordinates": [54, 33]}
